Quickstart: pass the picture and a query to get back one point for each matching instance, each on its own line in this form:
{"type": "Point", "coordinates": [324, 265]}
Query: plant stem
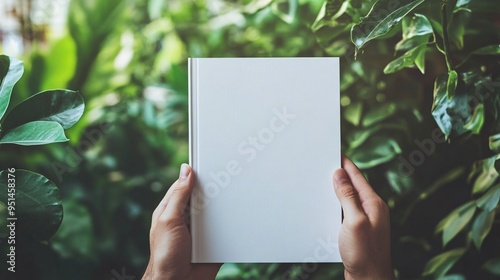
{"type": "Point", "coordinates": [446, 42]}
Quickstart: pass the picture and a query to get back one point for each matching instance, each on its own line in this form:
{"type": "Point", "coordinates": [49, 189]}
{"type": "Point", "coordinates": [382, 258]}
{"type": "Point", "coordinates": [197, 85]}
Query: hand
{"type": "Point", "coordinates": [364, 238]}
{"type": "Point", "coordinates": [170, 240]}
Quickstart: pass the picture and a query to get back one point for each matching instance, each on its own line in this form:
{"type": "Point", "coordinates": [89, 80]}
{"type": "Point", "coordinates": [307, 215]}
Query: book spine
{"type": "Point", "coordinates": [193, 156]}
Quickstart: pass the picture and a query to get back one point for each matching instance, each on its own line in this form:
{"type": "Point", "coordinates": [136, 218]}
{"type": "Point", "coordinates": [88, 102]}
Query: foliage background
{"type": "Point", "coordinates": [128, 59]}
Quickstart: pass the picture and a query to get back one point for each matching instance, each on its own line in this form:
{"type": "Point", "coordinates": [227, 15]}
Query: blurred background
{"type": "Point", "coordinates": [128, 59]}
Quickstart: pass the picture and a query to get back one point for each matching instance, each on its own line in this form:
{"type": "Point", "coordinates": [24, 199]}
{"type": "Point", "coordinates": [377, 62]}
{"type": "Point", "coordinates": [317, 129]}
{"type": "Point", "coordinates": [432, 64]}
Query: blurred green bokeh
{"type": "Point", "coordinates": [128, 59]}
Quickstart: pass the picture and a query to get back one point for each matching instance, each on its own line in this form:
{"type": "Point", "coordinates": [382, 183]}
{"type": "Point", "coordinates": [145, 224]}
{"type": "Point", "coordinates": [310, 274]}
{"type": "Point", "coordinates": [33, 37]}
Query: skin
{"type": "Point", "coordinates": [364, 236]}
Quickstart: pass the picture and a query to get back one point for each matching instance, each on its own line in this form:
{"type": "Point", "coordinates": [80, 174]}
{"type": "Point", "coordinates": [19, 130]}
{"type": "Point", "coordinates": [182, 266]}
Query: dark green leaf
{"type": "Point", "coordinates": [451, 85]}
{"type": "Point", "coordinates": [481, 227]}
{"type": "Point", "coordinates": [11, 70]}
{"type": "Point", "coordinates": [381, 19]}
{"type": "Point", "coordinates": [440, 264]}
{"type": "Point", "coordinates": [62, 106]}
{"type": "Point", "coordinates": [494, 143]}
{"type": "Point", "coordinates": [38, 203]}
{"type": "Point", "coordinates": [487, 176]}
{"type": "Point", "coordinates": [450, 114]}
{"type": "Point", "coordinates": [35, 133]}
{"type": "Point", "coordinates": [456, 27]}
{"type": "Point", "coordinates": [490, 199]}
{"type": "Point", "coordinates": [452, 224]}
{"type": "Point", "coordinates": [377, 150]}
{"type": "Point", "coordinates": [452, 277]}
{"type": "Point", "coordinates": [353, 112]}
{"type": "Point", "coordinates": [489, 50]}
{"type": "Point", "coordinates": [476, 122]}
{"type": "Point", "coordinates": [492, 266]}
{"type": "Point", "coordinates": [407, 60]}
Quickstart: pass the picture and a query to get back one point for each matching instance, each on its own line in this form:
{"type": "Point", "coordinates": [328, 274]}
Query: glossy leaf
{"type": "Point", "coordinates": [492, 266]}
{"type": "Point", "coordinates": [11, 70]}
{"type": "Point", "coordinates": [476, 122]}
{"type": "Point", "coordinates": [490, 199]}
{"type": "Point", "coordinates": [450, 114]}
{"type": "Point", "coordinates": [489, 50]}
{"type": "Point", "coordinates": [35, 133]}
{"type": "Point", "coordinates": [62, 106]}
{"type": "Point", "coordinates": [457, 26]}
{"type": "Point", "coordinates": [451, 85]}
{"type": "Point", "coordinates": [38, 203]}
{"type": "Point", "coordinates": [442, 263]}
{"type": "Point", "coordinates": [381, 19]}
{"type": "Point", "coordinates": [481, 227]}
{"type": "Point", "coordinates": [407, 60]}
{"type": "Point", "coordinates": [415, 32]}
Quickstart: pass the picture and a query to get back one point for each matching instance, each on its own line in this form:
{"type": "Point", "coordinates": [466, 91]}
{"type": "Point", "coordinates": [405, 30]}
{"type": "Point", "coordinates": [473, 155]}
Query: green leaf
{"type": "Point", "coordinates": [377, 150]}
{"type": "Point", "coordinates": [38, 203]}
{"type": "Point", "coordinates": [379, 113]}
{"type": "Point", "coordinates": [353, 112]}
{"type": "Point", "coordinates": [489, 50]}
{"type": "Point", "coordinates": [490, 199]}
{"type": "Point", "coordinates": [381, 19]}
{"type": "Point", "coordinates": [415, 32]}
{"type": "Point", "coordinates": [407, 60]}
{"type": "Point", "coordinates": [442, 263]}
{"type": "Point", "coordinates": [11, 70]}
{"type": "Point", "coordinates": [494, 143]}
{"type": "Point", "coordinates": [456, 27]}
{"type": "Point", "coordinates": [476, 122]}
{"type": "Point", "coordinates": [452, 224]}
{"type": "Point", "coordinates": [481, 227]}
{"type": "Point", "coordinates": [487, 176]}
{"type": "Point", "coordinates": [62, 106]}
{"type": "Point", "coordinates": [285, 9]}
{"type": "Point", "coordinates": [450, 114]}
{"type": "Point", "coordinates": [35, 133]}
{"type": "Point", "coordinates": [462, 5]}
{"type": "Point", "coordinates": [452, 277]}
{"type": "Point", "coordinates": [451, 85]}
{"type": "Point", "coordinates": [492, 266]}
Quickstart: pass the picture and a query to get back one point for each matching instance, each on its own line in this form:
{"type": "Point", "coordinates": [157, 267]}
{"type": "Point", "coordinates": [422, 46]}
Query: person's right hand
{"type": "Point", "coordinates": [364, 239]}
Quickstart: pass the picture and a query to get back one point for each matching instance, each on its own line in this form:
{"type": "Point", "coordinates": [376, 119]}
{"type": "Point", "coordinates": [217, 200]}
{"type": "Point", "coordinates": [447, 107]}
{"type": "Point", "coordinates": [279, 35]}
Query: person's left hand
{"type": "Point", "coordinates": [170, 240]}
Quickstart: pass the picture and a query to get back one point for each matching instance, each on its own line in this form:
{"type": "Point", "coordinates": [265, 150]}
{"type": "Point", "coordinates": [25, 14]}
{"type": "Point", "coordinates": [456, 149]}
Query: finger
{"type": "Point", "coordinates": [363, 188]}
{"type": "Point", "coordinates": [163, 203]}
{"type": "Point", "coordinates": [180, 194]}
{"type": "Point", "coordinates": [206, 270]}
{"type": "Point", "coordinates": [346, 194]}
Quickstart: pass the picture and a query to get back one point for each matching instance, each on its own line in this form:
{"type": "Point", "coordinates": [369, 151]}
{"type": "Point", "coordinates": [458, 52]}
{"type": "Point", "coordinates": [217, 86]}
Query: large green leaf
{"type": "Point", "coordinates": [407, 60]}
{"type": "Point", "coordinates": [452, 224]}
{"type": "Point", "coordinates": [490, 199]}
{"type": "Point", "coordinates": [383, 17]}
{"type": "Point", "coordinates": [11, 70]}
{"type": "Point", "coordinates": [38, 206]}
{"type": "Point", "coordinates": [451, 84]}
{"type": "Point", "coordinates": [481, 227]}
{"type": "Point", "coordinates": [379, 114]}
{"type": "Point", "coordinates": [62, 106]}
{"type": "Point", "coordinates": [450, 114]}
{"type": "Point", "coordinates": [377, 150]}
{"type": "Point", "coordinates": [440, 264]}
{"type": "Point", "coordinates": [35, 133]}
{"type": "Point", "coordinates": [353, 112]}
{"type": "Point", "coordinates": [494, 143]}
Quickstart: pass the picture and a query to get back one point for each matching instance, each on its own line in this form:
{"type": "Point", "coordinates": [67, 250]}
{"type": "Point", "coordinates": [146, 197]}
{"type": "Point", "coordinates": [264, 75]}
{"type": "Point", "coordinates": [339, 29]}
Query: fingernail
{"type": "Point", "coordinates": [340, 175]}
{"type": "Point", "coordinates": [184, 171]}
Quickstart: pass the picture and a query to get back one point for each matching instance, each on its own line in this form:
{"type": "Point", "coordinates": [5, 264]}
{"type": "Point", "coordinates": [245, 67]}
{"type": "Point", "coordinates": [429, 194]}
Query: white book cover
{"type": "Point", "coordinates": [264, 142]}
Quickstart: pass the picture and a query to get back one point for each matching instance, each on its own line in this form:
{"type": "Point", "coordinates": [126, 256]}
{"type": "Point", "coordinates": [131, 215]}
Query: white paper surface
{"type": "Point", "coordinates": [264, 142]}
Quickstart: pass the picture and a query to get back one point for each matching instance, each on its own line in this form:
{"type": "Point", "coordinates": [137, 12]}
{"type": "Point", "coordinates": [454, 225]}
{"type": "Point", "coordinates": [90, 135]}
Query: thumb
{"type": "Point", "coordinates": [180, 194]}
{"type": "Point", "coordinates": [347, 194]}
